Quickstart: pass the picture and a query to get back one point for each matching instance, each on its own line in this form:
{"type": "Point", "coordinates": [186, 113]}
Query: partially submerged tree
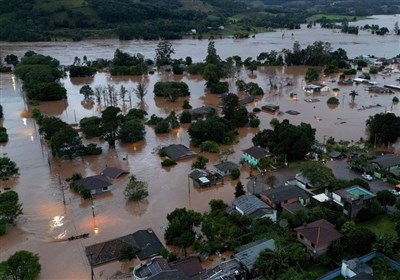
{"type": "Point", "coordinates": [8, 168]}
{"type": "Point", "coordinates": [180, 228]}
{"type": "Point", "coordinates": [136, 190]}
{"type": "Point", "coordinates": [22, 265]}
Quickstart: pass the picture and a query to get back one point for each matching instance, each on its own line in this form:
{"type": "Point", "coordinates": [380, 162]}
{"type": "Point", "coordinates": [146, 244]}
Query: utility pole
{"type": "Point", "coordinates": [62, 188]}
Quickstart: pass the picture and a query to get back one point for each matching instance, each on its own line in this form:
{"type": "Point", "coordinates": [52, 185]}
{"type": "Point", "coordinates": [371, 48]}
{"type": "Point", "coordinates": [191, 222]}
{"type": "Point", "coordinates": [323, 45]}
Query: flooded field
{"type": "Point", "coordinates": [47, 222]}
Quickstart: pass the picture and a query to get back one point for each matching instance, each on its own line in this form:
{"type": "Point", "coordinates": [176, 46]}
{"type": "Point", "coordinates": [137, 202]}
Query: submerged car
{"type": "Point", "coordinates": [367, 176]}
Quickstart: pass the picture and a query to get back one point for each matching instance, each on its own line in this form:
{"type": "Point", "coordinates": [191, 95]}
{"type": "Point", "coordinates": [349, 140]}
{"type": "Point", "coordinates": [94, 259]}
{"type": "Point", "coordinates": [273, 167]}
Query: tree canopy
{"type": "Point", "coordinates": [21, 265]}
{"type": "Point", "coordinates": [287, 139]}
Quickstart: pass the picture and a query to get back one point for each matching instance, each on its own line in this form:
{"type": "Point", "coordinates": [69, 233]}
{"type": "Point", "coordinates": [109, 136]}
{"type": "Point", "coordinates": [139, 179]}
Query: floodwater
{"type": "Point", "coordinates": [47, 222]}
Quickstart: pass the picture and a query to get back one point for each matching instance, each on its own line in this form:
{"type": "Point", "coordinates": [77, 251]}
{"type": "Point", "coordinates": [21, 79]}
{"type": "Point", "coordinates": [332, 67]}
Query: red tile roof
{"type": "Point", "coordinates": [319, 232]}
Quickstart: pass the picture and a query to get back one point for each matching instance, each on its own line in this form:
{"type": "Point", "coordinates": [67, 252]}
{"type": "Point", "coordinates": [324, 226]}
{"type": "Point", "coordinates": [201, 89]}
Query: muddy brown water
{"type": "Point", "coordinates": [46, 222]}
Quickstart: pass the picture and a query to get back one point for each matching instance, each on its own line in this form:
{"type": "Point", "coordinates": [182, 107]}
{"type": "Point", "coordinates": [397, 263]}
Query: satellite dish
{"type": "Point", "coordinates": [283, 223]}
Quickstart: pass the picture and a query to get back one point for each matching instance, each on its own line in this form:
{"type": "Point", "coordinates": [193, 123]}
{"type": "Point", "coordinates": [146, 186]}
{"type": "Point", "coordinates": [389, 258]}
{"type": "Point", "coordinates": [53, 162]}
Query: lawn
{"type": "Point", "coordinates": [335, 17]}
{"type": "Point", "coordinates": [380, 225]}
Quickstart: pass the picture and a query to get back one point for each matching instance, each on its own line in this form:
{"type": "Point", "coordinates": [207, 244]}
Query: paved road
{"type": "Point", "coordinates": [339, 168]}
{"type": "Point", "coordinates": [341, 171]}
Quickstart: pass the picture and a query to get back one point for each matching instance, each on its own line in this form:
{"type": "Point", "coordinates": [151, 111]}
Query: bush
{"type": "Point", "coordinates": [126, 253]}
{"type": "Point", "coordinates": [350, 72]}
{"type": "Point", "coordinates": [186, 105]}
{"type": "Point", "coordinates": [162, 127]}
{"type": "Point", "coordinates": [3, 135]}
{"type": "Point", "coordinates": [332, 101]}
{"type": "Point", "coordinates": [392, 181]}
{"type": "Point", "coordinates": [3, 227]}
{"type": "Point", "coordinates": [256, 110]}
{"type": "Point", "coordinates": [395, 99]}
{"type": "Point", "coordinates": [168, 162]}
{"type": "Point", "coordinates": [255, 122]}
{"type": "Point", "coordinates": [235, 173]}
{"type": "Point", "coordinates": [185, 117]}
{"type": "Point", "coordinates": [92, 149]}
{"type": "Point", "coordinates": [209, 146]}
{"type": "Point", "coordinates": [161, 152]}
{"type": "Point", "coordinates": [360, 182]}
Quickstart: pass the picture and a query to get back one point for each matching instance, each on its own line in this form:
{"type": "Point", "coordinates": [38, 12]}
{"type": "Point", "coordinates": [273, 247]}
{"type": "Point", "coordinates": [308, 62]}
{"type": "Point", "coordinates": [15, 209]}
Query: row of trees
{"type": "Point", "coordinates": [40, 75]}
{"type": "Point", "coordinates": [63, 139]}
{"type": "Point", "coordinates": [113, 125]}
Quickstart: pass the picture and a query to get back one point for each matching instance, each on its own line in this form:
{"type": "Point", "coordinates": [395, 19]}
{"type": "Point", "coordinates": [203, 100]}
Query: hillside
{"type": "Point", "coordinates": [43, 20]}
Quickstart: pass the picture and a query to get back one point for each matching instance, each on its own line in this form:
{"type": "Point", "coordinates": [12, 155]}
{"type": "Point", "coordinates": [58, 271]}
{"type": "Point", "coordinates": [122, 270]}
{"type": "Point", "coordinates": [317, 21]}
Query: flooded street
{"type": "Point", "coordinates": [47, 222]}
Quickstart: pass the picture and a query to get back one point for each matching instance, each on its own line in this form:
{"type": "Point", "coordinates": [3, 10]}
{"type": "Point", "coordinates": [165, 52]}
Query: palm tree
{"type": "Point", "coordinates": [353, 95]}
{"type": "Point", "coordinates": [272, 263]}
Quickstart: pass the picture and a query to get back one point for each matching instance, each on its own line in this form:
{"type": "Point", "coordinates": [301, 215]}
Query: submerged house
{"type": "Point", "coordinates": [96, 184]}
{"type": "Point", "coordinates": [225, 168]}
{"type": "Point", "coordinates": [253, 155]}
{"type": "Point", "coordinates": [178, 151]}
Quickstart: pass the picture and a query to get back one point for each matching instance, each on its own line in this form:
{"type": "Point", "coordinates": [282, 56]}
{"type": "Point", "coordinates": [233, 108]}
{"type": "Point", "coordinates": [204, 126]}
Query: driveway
{"type": "Point", "coordinates": [341, 171]}
{"type": "Point", "coordinates": [257, 183]}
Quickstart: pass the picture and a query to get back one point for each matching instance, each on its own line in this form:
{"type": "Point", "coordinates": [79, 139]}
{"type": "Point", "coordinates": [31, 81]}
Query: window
{"type": "Point", "coordinates": [312, 245]}
{"type": "Point", "coordinates": [105, 189]}
{"type": "Point", "coordinates": [285, 201]}
{"type": "Point", "coordinates": [301, 236]}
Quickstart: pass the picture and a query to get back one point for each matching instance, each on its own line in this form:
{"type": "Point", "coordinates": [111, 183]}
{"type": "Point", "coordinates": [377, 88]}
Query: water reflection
{"type": "Point", "coordinates": [57, 228]}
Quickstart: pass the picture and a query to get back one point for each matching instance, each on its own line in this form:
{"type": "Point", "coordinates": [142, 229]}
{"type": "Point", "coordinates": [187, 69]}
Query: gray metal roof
{"type": "Point", "coordinates": [285, 192]}
{"type": "Point", "coordinates": [94, 182]}
{"type": "Point", "coordinates": [226, 166]}
{"type": "Point", "coordinates": [178, 151]}
{"type": "Point", "coordinates": [257, 152]}
{"type": "Point", "coordinates": [249, 204]}
{"type": "Point", "coordinates": [249, 255]}
{"type": "Point", "coordinates": [387, 160]}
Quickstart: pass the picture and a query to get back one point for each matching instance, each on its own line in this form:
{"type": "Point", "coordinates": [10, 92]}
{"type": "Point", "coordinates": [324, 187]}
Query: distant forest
{"type": "Point", "coordinates": [45, 20]}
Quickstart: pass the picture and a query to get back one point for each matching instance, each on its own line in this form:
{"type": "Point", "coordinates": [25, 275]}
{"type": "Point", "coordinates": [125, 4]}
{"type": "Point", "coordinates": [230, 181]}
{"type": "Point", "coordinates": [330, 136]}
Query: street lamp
{"type": "Point", "coordinates": [95, 228]}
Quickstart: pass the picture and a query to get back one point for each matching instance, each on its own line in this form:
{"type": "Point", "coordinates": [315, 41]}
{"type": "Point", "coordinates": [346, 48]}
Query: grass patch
{"type": "Point", "coordinates": [380, 225]}
{"type": "Point", "coordinates": [318, 269]}
{"type": "Point", "coordinates": [335, 17]}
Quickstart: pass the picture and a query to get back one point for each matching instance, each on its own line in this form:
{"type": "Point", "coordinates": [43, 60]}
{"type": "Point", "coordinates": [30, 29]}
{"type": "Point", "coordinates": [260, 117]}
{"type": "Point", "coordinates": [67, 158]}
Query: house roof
{"type": "Point", "coordinates": [320, 232]}
{"type": "Point", "coordinates": [190, 266]}
{"type": "Point", "coordinates": [225, 270]}
{"type": "Point", "coordinates": [169, 275]}
{"type": "Point", "coordinates": [387, 160]}
{"type": "Point", "coordinates": [152, 267]}
{"type": "Point", "coordinates": [259, 213]}
{"type": "Point", "coordinates": [226, 166]}
{"type": "Point", "coordinates": [246, 100]}
{"type": "Point", "coordinates": [363, 276]}
{"type": "Point", "coordinates": [198, 173]}
{"type": "Point", "coordinates": [148, 243]}
{"type": "Point", "coordinates": [248, 255]}
{"type": "Point", "coordinates": [257, 152]}
{"type": "Point", "coordinates": [145, 242]}
{"type": "Point", "coordinates": [178, 151]}
{"type": "Point", "coordinates": [201, 111]}
{"type": "Point", "coordinates": [94, 182]}
{"type": "Point", "coordinates": [335, 154]}
{"type": "Point", "coordinates": [249, 204]}
{"type": "Point", "coordinates": [285, 192]}
{"type": "Point", "coordinates": [294, 207]}
{"type": "Point", "coordinates": [113, 172]}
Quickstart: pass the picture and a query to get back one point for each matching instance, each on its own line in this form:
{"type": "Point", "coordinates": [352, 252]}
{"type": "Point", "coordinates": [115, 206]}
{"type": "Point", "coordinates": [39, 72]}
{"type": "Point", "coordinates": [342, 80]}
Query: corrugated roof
{"type": "Point", "coordinates": [249, 255]}
{"type": "Point", "coordinates": [249, 204]}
